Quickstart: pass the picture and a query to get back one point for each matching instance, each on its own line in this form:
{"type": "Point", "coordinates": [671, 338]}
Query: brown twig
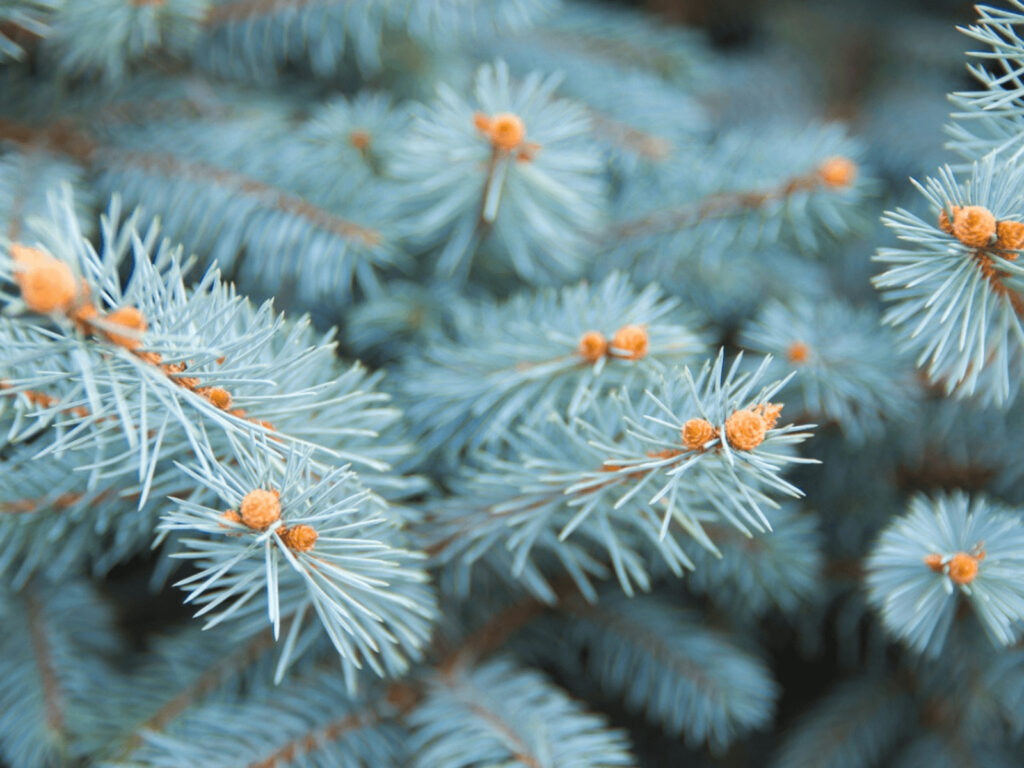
{"type": "Point", "coordinates": [716, 206]}
{"type": "Point", "coordinates": [44, 661]}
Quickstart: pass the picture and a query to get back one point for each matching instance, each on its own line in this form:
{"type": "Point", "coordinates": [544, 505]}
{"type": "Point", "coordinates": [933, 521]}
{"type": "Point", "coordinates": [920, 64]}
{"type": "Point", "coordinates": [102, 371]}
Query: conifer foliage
{"type": "Point", "coordinates": [463, 383]}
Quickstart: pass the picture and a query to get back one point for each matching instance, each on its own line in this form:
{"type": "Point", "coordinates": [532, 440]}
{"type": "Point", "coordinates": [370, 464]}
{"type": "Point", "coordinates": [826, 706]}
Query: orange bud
{"type": "Point", "coordinates": [188, 382]}
{"type": "Point", "coordinates": [697, 432]}
{"type": "Point", "coordinates": [1010, 236]}
{"type": "Point", "coordinates": [745, 429]}
{"type": "Point", "coordinates": [631, 340]}
{"type": "Point", "coordinates": [260, 508]}
{"type": "Point", "coordinates": [963, 568]}
{"type": "Point", "coordinates": [131, 319]}
{"type": "Point", "coordinates": [593, 346]}
{"type": "Point", "coordinates": [507, 131]}
{"type": "Point", "coordinates": [798, 352]}
{"type": "Point", "coordinates": [838, 172]}
{"type": "Point", "coordinates": [230, 517]}
{"type": "Point", "coordinates": [27, 257]}
{"type": "Point", "coordinates": [482, 122]}
{"type": "Point", "coordinates": [219, 396]}
{"type": "Point", "coordinates": [974, 226]}
{"type": "Point", "coordinates": [47, 284]}
{"type": "Point", "coordinates": [153, 358]}
{"type": "Point", "coordinates": [934, 561]}
{"type": "Point", "coordinates": [300, 538]}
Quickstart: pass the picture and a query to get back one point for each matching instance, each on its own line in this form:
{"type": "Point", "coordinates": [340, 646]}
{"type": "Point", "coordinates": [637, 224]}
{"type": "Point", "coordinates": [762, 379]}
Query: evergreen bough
{"type": "Point", "coordinates": [634, 437]}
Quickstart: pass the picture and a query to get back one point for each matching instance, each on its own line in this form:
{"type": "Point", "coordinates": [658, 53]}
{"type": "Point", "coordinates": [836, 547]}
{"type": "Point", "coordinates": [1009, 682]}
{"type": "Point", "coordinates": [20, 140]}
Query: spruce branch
{"type": "Point", "coordinates": [363, 130]}
{"type": "Point", "coordinates": [651, 115]}
{"type": "Point", "coordinates": [98, 524]}
{"type": "Point", "coordinates": [264, 185]}
{"type": "Point", "coordinates": [498, 713]}
{"type": "Point", "coordinates": [661, 662]}
{"type": "Point", "coordinates": [989, 120]}
{"type": "Point", "coordinates": [206, 710]}
{"type": "Point", "coordinates": [172, 421]}
{"type": "Point", "coordinates": [44, 663]}
{"type": "Point", "coordinates": [955, 286]}
{"type": "Point", "coordinates": [944, 548]}
{"type": "Point", "coordinates": [171, 166]}
{"type": "Point", "coordinates": [835, 172]}
{"type": "Point", "coordinates": [506, 364]}
{"type": "Point", "coordinates": [212, 663]}
{"type": "Point", "coordinates": [623, 479]}
{"type": "Point", "coordinates": [645, 144]}
{"type": "Point", "coordinates": [202, 354]}
{"type": "Point", "coordinates": [803, 192]}
{"type": "Point", "coordinates": [313, 542]}
{"type": "Point", "coordinates": [208, 175]}
{"type": "Point", "coordinates": [56, 651]}
{"type": "Point", "coordinates": [535, 195]}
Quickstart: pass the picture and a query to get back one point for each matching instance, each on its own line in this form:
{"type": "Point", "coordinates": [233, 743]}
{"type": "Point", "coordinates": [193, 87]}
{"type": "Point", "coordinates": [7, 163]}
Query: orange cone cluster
{"type": "Point", "coordinates": [798, 352]}
{"type": "Point", "coordinates": [962, 568]}
{"type": "Point", "coordinates": [48, 285]}
{"type": "Point", "coordinates": [231, 516]}
{"type": "Point", "coordinates": [505, 130]}
{"type": "Point", "coordinates": [261, 508]}
{"type": "Point", "coordinates": [976, 227]}
{"type": "Point", "coordinates": [837, 172]}
{"type": "Point", "coordinates": [745, 429]}
{"type": "Point", "coordinates": [630, 342]}
{"type": "Point", "coordinates": [507, 133]}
